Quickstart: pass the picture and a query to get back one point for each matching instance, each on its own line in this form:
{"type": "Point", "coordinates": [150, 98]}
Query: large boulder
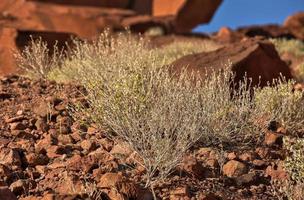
{"type": "Point", "coordinates": [295, 23]}
{"type": "Point", "coordinates": [195, 12]}
{"type": "Point", "coordinates": [7, 47]}
{"type": "Point", "coordinates": [12, 40]}
{"type": "Point", "coordinates": [58, 18]}
{"type": "Point", "coordinates": [255, 57]}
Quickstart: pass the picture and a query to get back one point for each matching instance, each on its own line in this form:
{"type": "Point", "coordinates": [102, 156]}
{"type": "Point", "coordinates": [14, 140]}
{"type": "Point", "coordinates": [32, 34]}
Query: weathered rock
{"type": "Point", "coordinates": [10, 157]}
{"type": "Point", "coordinates": [276, 171]}
{"type": "Point", "coordinates": [255, 57]}
{"type": "Point", "coordinates": [192, 167]}
{"type": "Point", "coordinates": [295, 24]}
{"type": "Point", "coordinates": [118, 186]}
{"type": "Point", "coordinates": [34, 159]}
{"type": "Point", "coordinates": [195, 12]}
{"type": "Point", "coordinates": [6, 194]}
{"type": "Point", "coordinates": [17, 126]}
{"type": "Point", "coordinates": [225, 34]}
{"type": "Point", "coordinates": [180, 193]}
{"type": "Point", "coordinates": [7, 45]}
{"type": "Point", "coordinates": [272, 138]}
{"type": "Point", "coordinates": [234, 168]}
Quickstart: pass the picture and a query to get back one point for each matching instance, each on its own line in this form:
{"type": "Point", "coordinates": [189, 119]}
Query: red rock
{"type": "Point", "coordinates": [247, 156]}
{"type": "Point", "coordinates": [234, 168]}
{"type": "Point", "coordinates": [225, 34]}
{"type": "Point", "coordinates": [10, 157]}
{"type": "Point", "coordinates": [17, 126]}
{"type": "Point", "coordinates": [231, 156]}
{"type": "Point", "coordinates": [7, 41]}
{"type": "Point", "coordinates": [272, 138]}
{"type": "Point", "coordinates": [88, 145]}
{"type": "Point", "coordinates": [106, 144]}
{"type": "Point", "coordinates": [195, 12]}
{"type": "Point", "coordinates": [277, 172]}
{"type": "Point", "coordinates": [180, 193]}
{"type": "Point", "coordinates": [295, 24]}
{"type": "Point", "coordinates": [6, 194]}
{"type": "Point", "coordinates": [167, 7]}
{"type": "Point", "coordinates": [192, 167]}
{"type": "Point", "coordinates": [34, 159]}
{"type": "Point", "coordinates": [255, 57]}
{"type": "Point", "coordinates": [43, 144]}
{"type": "Point", "coordinates": [119, 186]}
{"type": "Point", "coordinates": [121, 148]}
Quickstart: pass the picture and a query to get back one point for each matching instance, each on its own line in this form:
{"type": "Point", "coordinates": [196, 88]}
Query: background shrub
{"type": "Point", "coordinates": [281, 104]}
{"type": "Point", "coordinates": [37, 60]}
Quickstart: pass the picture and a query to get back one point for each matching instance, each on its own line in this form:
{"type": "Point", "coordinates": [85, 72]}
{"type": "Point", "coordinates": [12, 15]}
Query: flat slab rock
{"type": "Point", "coordinates": [255, 57]}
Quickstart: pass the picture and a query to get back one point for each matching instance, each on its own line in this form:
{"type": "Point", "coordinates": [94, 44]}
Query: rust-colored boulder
{"type": "Point", "coordinates": [195, 12]}
{"type": "Point", "coordinates": [295, 23]}
{"type": "Point", "coordinates": [58, 18]}
{"type": "Point", "coordinates": [225, 34]}
{"type": "Point", "coordinates": [255, 57]}
{"type": "Point", "coordinates": [167, 7]}
{"type": "Point", "coordinates": [7, 47]}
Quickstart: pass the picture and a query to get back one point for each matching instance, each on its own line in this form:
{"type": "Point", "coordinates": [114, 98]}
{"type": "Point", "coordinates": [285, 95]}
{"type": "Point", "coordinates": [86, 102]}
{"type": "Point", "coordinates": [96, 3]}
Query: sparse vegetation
{"type": "Point", "coordinates": [293, 46]}
{"type": "Point", "coordinates": [281, 104]}
{"type": "Point", "coordinates": [293, 187]}
{"type": "Point", "coordinates": [131, 93]}
{"type": "Point", "coordinates": [37, 60]}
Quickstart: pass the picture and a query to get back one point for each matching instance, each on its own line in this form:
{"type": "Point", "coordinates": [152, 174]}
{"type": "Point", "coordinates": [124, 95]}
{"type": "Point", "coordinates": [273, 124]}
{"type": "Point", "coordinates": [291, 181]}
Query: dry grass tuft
{"type": "Point", "coordinates": [37, 60]}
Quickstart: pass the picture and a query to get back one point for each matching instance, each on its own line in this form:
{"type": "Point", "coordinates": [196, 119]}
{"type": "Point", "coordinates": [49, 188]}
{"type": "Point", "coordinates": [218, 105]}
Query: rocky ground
{"type": "Point", "coordinates": [44, 154]}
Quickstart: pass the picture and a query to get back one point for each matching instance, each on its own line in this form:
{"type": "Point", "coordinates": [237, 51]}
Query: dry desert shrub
{"type": "Point", "coordinates": [37, 60]}
{"type": "Point", "coordinates": [281, 104]}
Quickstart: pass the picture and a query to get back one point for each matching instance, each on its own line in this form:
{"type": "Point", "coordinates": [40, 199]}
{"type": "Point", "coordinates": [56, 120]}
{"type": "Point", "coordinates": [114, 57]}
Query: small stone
{"type": "Point", "coordinates": [181, 192]}
{"type": "Point", "coordinates": [106, 144]}
{"type": "Point", "coordinates": [42, 109]}
{"type": "Point", "coordinates": [234, 168]}
{"type": "Point", "coordinates": [231, 156]}
{"type": "Point", "coordinates": [10, 157]}
{"type": "Point", "coordinates": [247, 156]}
{"type": "Point", "coordinates": [259, 163]}
{"type": "Point", "coordinates": [14, 119]}
{"type": "Point", "coordinates": [88, 145]}
{"type": "Point", "coordinates": [246, 179]}
{"type": "Point", "coordinates": [36, 159]}
{"type": "Point", "coordinates": [42, 125]}
{"type": "Point", "coordinates": [19, 112]}
{"type": "Point", "coordinates": [272, 138]}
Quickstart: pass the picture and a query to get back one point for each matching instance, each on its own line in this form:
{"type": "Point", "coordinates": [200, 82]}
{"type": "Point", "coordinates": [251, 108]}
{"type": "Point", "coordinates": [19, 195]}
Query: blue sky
{"type": "Point", "coordinates": [235, 13]}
